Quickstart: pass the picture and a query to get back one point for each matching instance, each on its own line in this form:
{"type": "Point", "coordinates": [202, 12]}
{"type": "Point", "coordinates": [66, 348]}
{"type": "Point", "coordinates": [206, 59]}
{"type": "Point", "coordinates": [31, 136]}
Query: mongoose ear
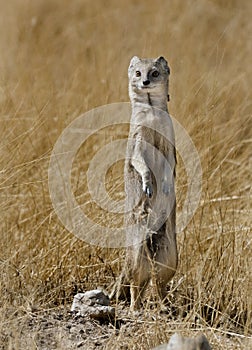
{"type": "Point", "coordinates": [164, 63]}
{"type": "Point", "coordinates": [133, 61]}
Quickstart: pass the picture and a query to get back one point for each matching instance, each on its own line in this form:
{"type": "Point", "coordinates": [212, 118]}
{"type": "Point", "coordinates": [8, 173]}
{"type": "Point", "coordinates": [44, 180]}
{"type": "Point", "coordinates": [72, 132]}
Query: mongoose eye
{"type": "Point", "coordinates": [155, 74]}
{"type": "Point", "coordinates": [138, 73]}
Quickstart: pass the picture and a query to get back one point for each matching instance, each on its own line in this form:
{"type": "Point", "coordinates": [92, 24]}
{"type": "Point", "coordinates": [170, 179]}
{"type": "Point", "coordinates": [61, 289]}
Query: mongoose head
{"type": "Point", "coordinates": [149, 76]}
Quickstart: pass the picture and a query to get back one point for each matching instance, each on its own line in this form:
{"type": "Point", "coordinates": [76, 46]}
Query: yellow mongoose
{"type": "Point", "coordinates": [150, 208]}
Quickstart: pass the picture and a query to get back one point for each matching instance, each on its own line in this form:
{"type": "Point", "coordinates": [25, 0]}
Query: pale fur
{"type": "Point", "coordinates": [149, 184]}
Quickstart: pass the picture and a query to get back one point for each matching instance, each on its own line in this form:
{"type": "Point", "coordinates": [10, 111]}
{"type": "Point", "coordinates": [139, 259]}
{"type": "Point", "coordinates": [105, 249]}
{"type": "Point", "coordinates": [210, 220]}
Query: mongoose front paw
{"type": "Point", "coordinates": [148, 190]}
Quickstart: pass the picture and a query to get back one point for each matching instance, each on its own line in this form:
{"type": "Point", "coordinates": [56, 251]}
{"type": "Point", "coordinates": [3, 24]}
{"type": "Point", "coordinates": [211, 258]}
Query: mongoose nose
{"type": "Point", "coordinates": [146, 82]}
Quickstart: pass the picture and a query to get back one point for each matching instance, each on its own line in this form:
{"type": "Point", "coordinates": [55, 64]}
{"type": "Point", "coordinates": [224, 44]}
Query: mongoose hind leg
{"type": "Point", "coordinates": [166, 260]}
{"type": "Point", "coordinates": [163, 276]}
{"type": "Point", "coordinates": [121, 289]}
{"type": "Point", "coordinates": [136, 293]}
{"type": "Point", "coordinates": [140, 274]}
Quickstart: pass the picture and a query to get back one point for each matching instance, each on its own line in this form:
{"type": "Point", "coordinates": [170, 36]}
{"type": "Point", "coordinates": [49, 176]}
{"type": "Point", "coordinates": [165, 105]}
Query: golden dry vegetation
{"type": "Point", "coordinates": [59, 59]}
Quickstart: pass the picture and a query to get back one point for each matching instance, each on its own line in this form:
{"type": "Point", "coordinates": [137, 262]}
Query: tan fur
{"type": "Point", "coordinates": [149, 183]}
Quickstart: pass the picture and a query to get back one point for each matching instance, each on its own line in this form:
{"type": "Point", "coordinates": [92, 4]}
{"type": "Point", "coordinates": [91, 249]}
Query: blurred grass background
{"type": "Point", "coordinates": [59, 59]}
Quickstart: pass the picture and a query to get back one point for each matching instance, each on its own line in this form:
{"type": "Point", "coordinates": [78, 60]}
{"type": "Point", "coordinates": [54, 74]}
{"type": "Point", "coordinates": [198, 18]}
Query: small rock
{"type": "Point", "coordinates": [177, 342]}
{"type": "Point", "coordinates": [93, 303]}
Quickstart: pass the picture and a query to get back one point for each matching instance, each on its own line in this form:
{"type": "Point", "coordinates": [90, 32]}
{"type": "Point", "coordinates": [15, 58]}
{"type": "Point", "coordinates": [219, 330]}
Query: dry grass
{"type": "Point", "coordinates": [59, 59]}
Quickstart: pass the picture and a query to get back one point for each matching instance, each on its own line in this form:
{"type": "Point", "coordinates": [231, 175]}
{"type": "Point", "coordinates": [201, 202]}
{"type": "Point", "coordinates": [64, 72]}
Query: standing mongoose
{"type": "Point", "coordinates": [149, 174]}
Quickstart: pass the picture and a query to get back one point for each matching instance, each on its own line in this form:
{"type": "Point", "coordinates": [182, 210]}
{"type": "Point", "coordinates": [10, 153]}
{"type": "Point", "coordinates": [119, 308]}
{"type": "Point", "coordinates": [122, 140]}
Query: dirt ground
{"type": "Point", "coordinates": [62, 329]}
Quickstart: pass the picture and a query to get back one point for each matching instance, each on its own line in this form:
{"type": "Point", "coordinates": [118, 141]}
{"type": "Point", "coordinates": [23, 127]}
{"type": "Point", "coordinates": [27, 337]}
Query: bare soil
{"type": "Point", "coordinates": [62, 329]}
